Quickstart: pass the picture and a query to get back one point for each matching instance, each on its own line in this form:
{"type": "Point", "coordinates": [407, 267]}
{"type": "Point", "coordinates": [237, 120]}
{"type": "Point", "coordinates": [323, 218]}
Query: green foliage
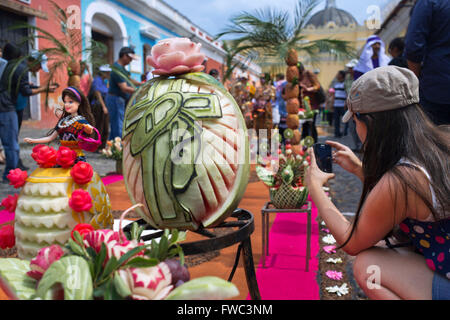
{"type": "Point", "coordinates": [272, 32]}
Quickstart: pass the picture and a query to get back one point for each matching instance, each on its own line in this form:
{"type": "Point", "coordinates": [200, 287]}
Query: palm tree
{"type": "Point", "coordinates": [64, 53]}
{"type": "Point", "coordinates": [272, 32]}
{"type": "Point", "coordinates": [231, 58]}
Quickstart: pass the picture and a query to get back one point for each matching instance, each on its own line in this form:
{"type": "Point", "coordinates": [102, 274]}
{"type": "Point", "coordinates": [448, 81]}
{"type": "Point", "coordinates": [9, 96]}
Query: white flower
{"type": "Point", "coordinates": [329, 239]}
{"type": "Point", "coordinates": [305, 163]}
{"type": "Point", "coordinates": [340, 291]}
{"type": "Point", "coordinates": [104, 151]}
{"type": "Point", "coordinates": [118, 146]}
{"type": "Point", "coordinates": [109, 153]}
{"type": "Point", "coordinates": [334, 260]}
{"type": "Point", "coordinates": [152, 283]}
{"type": "Point", "coordinates": [298, 157]}
{"type": "Point", "coordinates": [117, 140]}
{"type": "Point", "coordinates": [288, 151]}
{"type": "Point", "coordinates": [322, 223]}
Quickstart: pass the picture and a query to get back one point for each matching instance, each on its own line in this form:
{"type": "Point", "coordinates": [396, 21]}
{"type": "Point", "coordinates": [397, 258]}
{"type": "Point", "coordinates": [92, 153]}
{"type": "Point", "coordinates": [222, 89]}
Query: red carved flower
{"type": "Point", "coordinates": [65, 157]}
{"type": "Point", "coordinates": [7, 239]}
{"type": "Point", "coordinates": [46, 256]}
{"type": "Point", "coordinates": [82, 172]}
{"type": "Point", "coordinates": [80, 201]}
{"type": "Point", "coordinates": [10, 202]}
{"type": "Point", "coordinates": [83, 229]}
{"type": "Point", "coordinates": [17, 178]}
{"type": "Point", "coordinates": [45, 156]}
{"type": "Point", "coordinates": [96, 238]}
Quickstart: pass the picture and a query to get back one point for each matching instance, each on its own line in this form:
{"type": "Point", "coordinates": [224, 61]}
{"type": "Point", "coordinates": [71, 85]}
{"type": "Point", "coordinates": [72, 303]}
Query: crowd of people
{"type": "Point", "coordinates": [395, 107]}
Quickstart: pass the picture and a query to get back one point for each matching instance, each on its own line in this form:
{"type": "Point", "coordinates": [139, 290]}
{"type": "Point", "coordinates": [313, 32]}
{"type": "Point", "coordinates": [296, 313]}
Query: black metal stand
{"type": "Point", "coordinates": [245, 225]}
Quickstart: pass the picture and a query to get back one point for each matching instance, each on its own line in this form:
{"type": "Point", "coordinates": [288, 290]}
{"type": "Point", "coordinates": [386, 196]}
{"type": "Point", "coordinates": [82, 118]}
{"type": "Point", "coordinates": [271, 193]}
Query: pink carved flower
{"type": "Point", "coordinates": [46, 256]}
{"type": "Point", "coordinates": [176, 56]}
{"type": "Point", "coordinates": [335, 275]}
{"type": "Point", "coordinates": [17, 178]}
{"type": "Point", "coordinates": [329, 249]}
{"type": "Point", "coordinates": [148, 283]}
{"type": "Point", "coordinates": [10, 202]}
{"type": "Point", "coordinates": [80, 201]}
{"type": "Point", "coordinates": [325, 230]}
{"type": "Point", "coordinates": [118, 249]}
{"type": "Point", "coordinates": [65, 157]}
{"type": "Point", "coordinates": [7, 238]}
{"type": "Point", "coordinates": [95, 238]}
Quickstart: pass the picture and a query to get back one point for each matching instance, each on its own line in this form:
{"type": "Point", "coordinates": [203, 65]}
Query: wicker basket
{"type": "Point", "coordinates": [286, 197]}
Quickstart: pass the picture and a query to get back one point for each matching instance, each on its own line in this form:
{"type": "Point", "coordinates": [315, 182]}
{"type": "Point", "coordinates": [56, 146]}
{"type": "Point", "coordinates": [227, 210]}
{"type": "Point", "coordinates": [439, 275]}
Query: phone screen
{"type": "Point", "coordinates": [322, 152]}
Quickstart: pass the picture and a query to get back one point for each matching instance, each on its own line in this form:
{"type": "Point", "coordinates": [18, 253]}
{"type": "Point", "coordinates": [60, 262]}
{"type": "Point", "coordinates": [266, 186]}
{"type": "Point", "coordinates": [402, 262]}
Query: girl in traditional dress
{"type": "Point", "coordinates": [76, 118]}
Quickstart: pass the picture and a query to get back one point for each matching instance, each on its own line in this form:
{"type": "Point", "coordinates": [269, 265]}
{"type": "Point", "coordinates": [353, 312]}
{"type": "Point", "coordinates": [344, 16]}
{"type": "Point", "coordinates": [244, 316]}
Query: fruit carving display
{"type": "Point", "coordinates": [54, 199]}
{"type": "Point", "coordinates": [185, 143]}
{"type": "Point", "coordinates": [291, 96]}
{"type": "Point", "coordinates": [108, 265]}
{"type": "Point", "coordinates": [284, 176]}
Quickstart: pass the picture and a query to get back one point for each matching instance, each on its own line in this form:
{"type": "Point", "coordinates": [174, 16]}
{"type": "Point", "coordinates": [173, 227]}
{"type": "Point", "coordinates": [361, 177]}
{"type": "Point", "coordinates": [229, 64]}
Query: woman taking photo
{"type": "Point", "coordinates": [405, 174]}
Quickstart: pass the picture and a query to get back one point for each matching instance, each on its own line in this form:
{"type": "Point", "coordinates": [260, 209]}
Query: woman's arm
{"type": "Point", "coordinates": [380, 212]}
{"type": "Point", "coordinates": [47, 139]}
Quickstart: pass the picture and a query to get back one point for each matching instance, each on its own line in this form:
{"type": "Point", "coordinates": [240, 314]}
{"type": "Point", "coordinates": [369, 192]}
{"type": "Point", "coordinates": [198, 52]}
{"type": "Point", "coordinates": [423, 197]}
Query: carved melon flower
{"type": "Point", "coordinates": [45, 257]}
{"type": "Point", "coordinates": [152, 283]}
{"type": "Point", "coordinates": [176, 56]}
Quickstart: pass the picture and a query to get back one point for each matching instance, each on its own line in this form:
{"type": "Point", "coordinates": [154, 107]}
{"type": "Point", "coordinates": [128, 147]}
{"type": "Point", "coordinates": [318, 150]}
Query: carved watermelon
{"type": "Point", "coordinates": [43, 215]}
{"type": "Point", "coordinates": [186, 152]}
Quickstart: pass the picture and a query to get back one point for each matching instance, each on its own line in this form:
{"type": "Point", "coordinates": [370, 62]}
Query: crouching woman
{"type": "Point", "coordinates": [406, 186]}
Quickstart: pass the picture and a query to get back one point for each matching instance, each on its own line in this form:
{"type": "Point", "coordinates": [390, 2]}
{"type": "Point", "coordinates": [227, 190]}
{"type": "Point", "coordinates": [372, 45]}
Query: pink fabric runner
{"type": "Point", "coordinates": [284, 276]}
{"type": "Point", "coordinates": [6, 216]}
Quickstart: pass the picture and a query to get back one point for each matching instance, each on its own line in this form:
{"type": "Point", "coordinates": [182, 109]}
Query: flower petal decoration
{"type": "Point", "coordinates": [325, 230]}
{"type": "Point", "coordinates": [176, 56]}
{"type": "Point", "coordinates": [329, 239]}
{"type": "Point", "coordinates": [17, 178]}
{"type": "Point", "coordinates": [80, 201]}
{"type": "Point", "coordinates": [10, 202]}
{"type": "Point", "coordinates": [152, 283]}
{"type": "Point", "coordinates": [83, 229]}
{"type": "Point", "coordinates": [45, 257]}
{"type": "Point", "coordinates": [65, 157]}
{"type": "Point", "coordinates": [82, 173]}
{"type": "Point", "coordinates": [44, 156]}
{"type": "Point", "coordinates": [340, 291]}
{"type": "Point", "coordinates": [334, 260]}
{"type": "Point", "coordinates": [329, 249]}
{"type": "Point", "coordinates": [7, 238]}
{"type": "Point", "coordinates": [335, 275]}
{"type": "Point", "coordinates": [96, 238]}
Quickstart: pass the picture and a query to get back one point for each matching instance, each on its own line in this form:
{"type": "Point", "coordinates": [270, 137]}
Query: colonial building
{"type": "Point", "coordinates": [333, 23]}
{"type": "Point", "coordinates": [140, 24]}
{"type": "Point", "coordinates": [115, 23]}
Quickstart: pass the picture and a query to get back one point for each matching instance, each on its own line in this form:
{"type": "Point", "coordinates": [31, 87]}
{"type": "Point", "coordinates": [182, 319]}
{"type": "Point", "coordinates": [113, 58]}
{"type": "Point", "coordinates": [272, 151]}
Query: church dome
{"type": "Point", "coordinates": [332, 16]}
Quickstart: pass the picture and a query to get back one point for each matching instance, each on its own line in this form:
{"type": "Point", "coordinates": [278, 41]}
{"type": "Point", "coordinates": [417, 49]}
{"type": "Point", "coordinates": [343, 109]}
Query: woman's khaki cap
{"type": "Point", "coordinates": [381, 89]}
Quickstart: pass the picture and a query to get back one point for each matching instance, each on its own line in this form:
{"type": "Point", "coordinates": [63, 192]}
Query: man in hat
{"type": "Point", "coordinates": [14, 80]}
{"type": "Point", "coordinates": [120, 91]}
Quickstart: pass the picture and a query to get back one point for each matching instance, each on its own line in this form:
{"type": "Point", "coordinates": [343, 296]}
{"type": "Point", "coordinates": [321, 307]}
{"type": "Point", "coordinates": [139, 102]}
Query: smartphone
{"type": "Point", "coordinates": [322, 152]}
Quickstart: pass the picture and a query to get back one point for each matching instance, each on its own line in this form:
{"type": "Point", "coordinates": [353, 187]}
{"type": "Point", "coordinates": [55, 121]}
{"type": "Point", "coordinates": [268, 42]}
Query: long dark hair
{"type": "Point", "coordinates": [406, 133]}
{"type": "Point", "coordinates": [83, 110]}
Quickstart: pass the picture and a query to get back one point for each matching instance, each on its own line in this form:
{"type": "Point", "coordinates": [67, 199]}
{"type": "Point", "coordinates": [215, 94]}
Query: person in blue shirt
{"type": "Point", "coordinates": [97, 97]}
{"type": "Point", "coordinates": [119, 91]}
{"type": "Point", "coordinates": [14, 81]}
{"type": "Point", "coordinates": [280, 104]}
{"type": "Point", "coordinates": [428, 53]}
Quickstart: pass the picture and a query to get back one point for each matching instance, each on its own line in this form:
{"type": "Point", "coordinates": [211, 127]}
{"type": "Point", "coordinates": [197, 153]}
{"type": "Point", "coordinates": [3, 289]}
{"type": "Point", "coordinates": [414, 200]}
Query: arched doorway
{"type": "Point", "coordinates": [104, 24]}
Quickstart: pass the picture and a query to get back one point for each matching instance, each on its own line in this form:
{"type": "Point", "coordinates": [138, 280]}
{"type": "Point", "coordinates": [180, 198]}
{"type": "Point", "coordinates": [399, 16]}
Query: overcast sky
{"type": "Point", "coordinates": [213, 15]}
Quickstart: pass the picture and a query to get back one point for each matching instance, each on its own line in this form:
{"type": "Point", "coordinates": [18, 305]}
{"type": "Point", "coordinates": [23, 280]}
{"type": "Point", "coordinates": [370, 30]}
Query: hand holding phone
{"type": "Point", "coordinates": [322, 152]}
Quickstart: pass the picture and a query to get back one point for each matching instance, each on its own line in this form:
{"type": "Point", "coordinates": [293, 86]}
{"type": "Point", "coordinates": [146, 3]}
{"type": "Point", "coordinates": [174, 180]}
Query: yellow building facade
{"type": "Point", "coordinates": [337, 24]}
